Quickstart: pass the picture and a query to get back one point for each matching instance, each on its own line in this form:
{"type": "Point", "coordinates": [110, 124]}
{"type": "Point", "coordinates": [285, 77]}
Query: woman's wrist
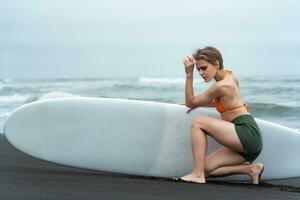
{"type": "Point", "coordinates": [189, 75]}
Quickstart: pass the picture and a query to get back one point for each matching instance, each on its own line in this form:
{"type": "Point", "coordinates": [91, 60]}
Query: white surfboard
{"type": "Point", "coordinates": [133, 137]}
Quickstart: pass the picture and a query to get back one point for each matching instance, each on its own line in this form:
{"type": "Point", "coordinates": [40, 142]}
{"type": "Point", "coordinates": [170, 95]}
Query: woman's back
{"type": "Point", "coordinates": [230, 103]}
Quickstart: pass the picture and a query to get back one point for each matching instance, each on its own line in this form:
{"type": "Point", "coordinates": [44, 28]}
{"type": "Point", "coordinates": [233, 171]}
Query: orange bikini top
{"type": "Point", "coordinates": [220, 108]}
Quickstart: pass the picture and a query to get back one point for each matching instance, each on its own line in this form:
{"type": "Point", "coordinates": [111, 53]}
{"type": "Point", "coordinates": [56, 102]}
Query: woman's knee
{"type": "Point", "coordinates": [200, 122]}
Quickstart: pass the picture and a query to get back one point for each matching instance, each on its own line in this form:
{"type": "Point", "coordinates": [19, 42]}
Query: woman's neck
{"type": "Point", "coordinates": [220, 75]}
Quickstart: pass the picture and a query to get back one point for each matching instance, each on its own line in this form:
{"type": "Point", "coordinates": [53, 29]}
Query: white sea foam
{"type": "Point", "coordinates": [57, 94]}
{"type": "Point", "coordinates": [4, 114]}
{"type": "Point", "coordinates": [163, 80]}
{"type": "Point", "coordinates": [3, 117]}
{"type": "Point", "coordinates": [16, 98]}
{"type": "Point", "coordinates": [7, 80]}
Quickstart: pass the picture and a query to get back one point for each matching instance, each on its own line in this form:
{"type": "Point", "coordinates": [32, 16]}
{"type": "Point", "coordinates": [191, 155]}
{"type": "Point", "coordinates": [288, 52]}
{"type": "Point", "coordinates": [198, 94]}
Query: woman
{"type": "Point", "coordinates": [237, 132]}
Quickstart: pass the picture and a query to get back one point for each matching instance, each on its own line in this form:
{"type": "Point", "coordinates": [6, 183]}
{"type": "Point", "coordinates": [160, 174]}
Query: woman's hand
{"type": "Point", "coordinates": [190, 110]}
{"type": "Point", "coordinates": [189, 65]}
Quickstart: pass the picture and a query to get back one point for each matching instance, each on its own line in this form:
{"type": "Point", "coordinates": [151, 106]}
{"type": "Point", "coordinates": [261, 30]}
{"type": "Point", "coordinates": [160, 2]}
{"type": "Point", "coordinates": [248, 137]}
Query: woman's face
{"type": "Point", "coordinates": [206, 70]}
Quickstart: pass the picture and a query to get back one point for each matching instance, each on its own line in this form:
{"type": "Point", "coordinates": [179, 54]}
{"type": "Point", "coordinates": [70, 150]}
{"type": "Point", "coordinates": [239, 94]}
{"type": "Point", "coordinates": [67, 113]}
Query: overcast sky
{"type": "Point", "coordinates": [134, 38]}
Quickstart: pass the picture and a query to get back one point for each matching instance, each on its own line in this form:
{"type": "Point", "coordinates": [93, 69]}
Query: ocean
{"type": "Point", "coordinates": [273, 99]}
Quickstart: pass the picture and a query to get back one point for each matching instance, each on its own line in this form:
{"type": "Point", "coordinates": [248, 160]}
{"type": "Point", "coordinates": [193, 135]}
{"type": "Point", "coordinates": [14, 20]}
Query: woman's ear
{"type": "Point", "coordinates": [217, 64]}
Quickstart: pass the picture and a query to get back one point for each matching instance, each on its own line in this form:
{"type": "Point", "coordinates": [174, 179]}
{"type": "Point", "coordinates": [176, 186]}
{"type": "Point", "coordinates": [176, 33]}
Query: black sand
{"type": "Point", "coordinates": [24, 177]}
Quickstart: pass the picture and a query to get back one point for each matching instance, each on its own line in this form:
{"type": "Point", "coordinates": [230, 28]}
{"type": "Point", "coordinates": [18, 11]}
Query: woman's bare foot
{"type": "Point", "coordinates": [255, 172]}
{"type": "Point", "coordinates": [192, 177]}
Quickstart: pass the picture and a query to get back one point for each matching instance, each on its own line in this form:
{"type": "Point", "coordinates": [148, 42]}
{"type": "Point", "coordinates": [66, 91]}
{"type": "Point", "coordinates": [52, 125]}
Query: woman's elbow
{"type": "Point", "coordinates": [189, 104]}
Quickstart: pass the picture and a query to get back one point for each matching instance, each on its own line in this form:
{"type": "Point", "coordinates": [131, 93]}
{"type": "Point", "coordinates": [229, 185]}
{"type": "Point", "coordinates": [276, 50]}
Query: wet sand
{"type": "Point", "coordinates": [25, 177]}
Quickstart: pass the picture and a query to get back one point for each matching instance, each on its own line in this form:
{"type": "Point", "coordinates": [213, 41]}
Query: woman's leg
{"type": "Point", "coordinates": [199, 148]}
{"type": "Point", "coordinates": [225, 162]}
{"type": "Point", "coordinates": [222, 131]}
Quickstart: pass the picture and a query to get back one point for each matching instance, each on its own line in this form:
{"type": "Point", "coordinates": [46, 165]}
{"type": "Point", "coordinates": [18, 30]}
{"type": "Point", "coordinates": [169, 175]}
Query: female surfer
{"type": "Point", "coordinates": [237, 130]}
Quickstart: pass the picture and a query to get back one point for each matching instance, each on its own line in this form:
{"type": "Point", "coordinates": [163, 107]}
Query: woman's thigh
{"type": "Point", "coordinates": [222, 131]}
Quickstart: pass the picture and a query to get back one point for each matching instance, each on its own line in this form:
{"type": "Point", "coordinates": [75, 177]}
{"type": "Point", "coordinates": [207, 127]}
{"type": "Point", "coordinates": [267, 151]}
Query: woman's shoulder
{"type": "Point", "coordinates": [220, 87]}
{"type": "Point", "coordinates": [228, 83]}
{"type": "Point", "coordinates": [232, 76]}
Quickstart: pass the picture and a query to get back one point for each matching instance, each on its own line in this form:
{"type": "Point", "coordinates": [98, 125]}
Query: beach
{"type": "Point", "coordinates": [25, 177]}
{"type": "Point", "coordinates": [109, 51]}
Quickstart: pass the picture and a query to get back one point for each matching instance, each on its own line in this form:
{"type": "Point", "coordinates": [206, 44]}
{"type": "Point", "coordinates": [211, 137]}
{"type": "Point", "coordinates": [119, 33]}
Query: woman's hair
{"type": "Point", "coordinates": [210, 54]}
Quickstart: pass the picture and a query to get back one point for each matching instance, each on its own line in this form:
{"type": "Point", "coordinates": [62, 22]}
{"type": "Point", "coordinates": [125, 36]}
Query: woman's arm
{"type": "Point", "coordinates": [189, 91]}
{"type": "Point", "coordinates": [205, 99]}
{"type": "Point", "coordinates": [211, 104]}
{"type": "Point", "coordinates": [192, 101]}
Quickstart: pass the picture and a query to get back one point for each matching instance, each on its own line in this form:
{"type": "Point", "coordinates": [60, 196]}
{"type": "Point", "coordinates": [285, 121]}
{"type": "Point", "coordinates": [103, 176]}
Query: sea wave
{"type": "Point", "coordinates": [271, 80]}
{"type": "Point", "coordinates": [23, 99]}
{"type": "Point", "coordinates": [6, 80]}
{"type": "Point", "coordinates": [12, 89]}
{"type": "Point", "coordinates": [16, 98]}
{"type": "Point", "coordinates": [179, 81]}
{"type": "Point", "coordinates": [146, 88]}
{"type": "Point", "coordinates": [264, 109]}
{"type": "Point", "coordinates": [161, 80]}
{"type": "Point", "coordinates": [4, 115]}
{"type": "Point", "coordinates": [56, 94]}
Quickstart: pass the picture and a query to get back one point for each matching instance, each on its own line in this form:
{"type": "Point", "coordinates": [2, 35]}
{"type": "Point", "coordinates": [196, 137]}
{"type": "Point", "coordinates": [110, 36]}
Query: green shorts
{"type": "Point", "coordinates": [249, 135]}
